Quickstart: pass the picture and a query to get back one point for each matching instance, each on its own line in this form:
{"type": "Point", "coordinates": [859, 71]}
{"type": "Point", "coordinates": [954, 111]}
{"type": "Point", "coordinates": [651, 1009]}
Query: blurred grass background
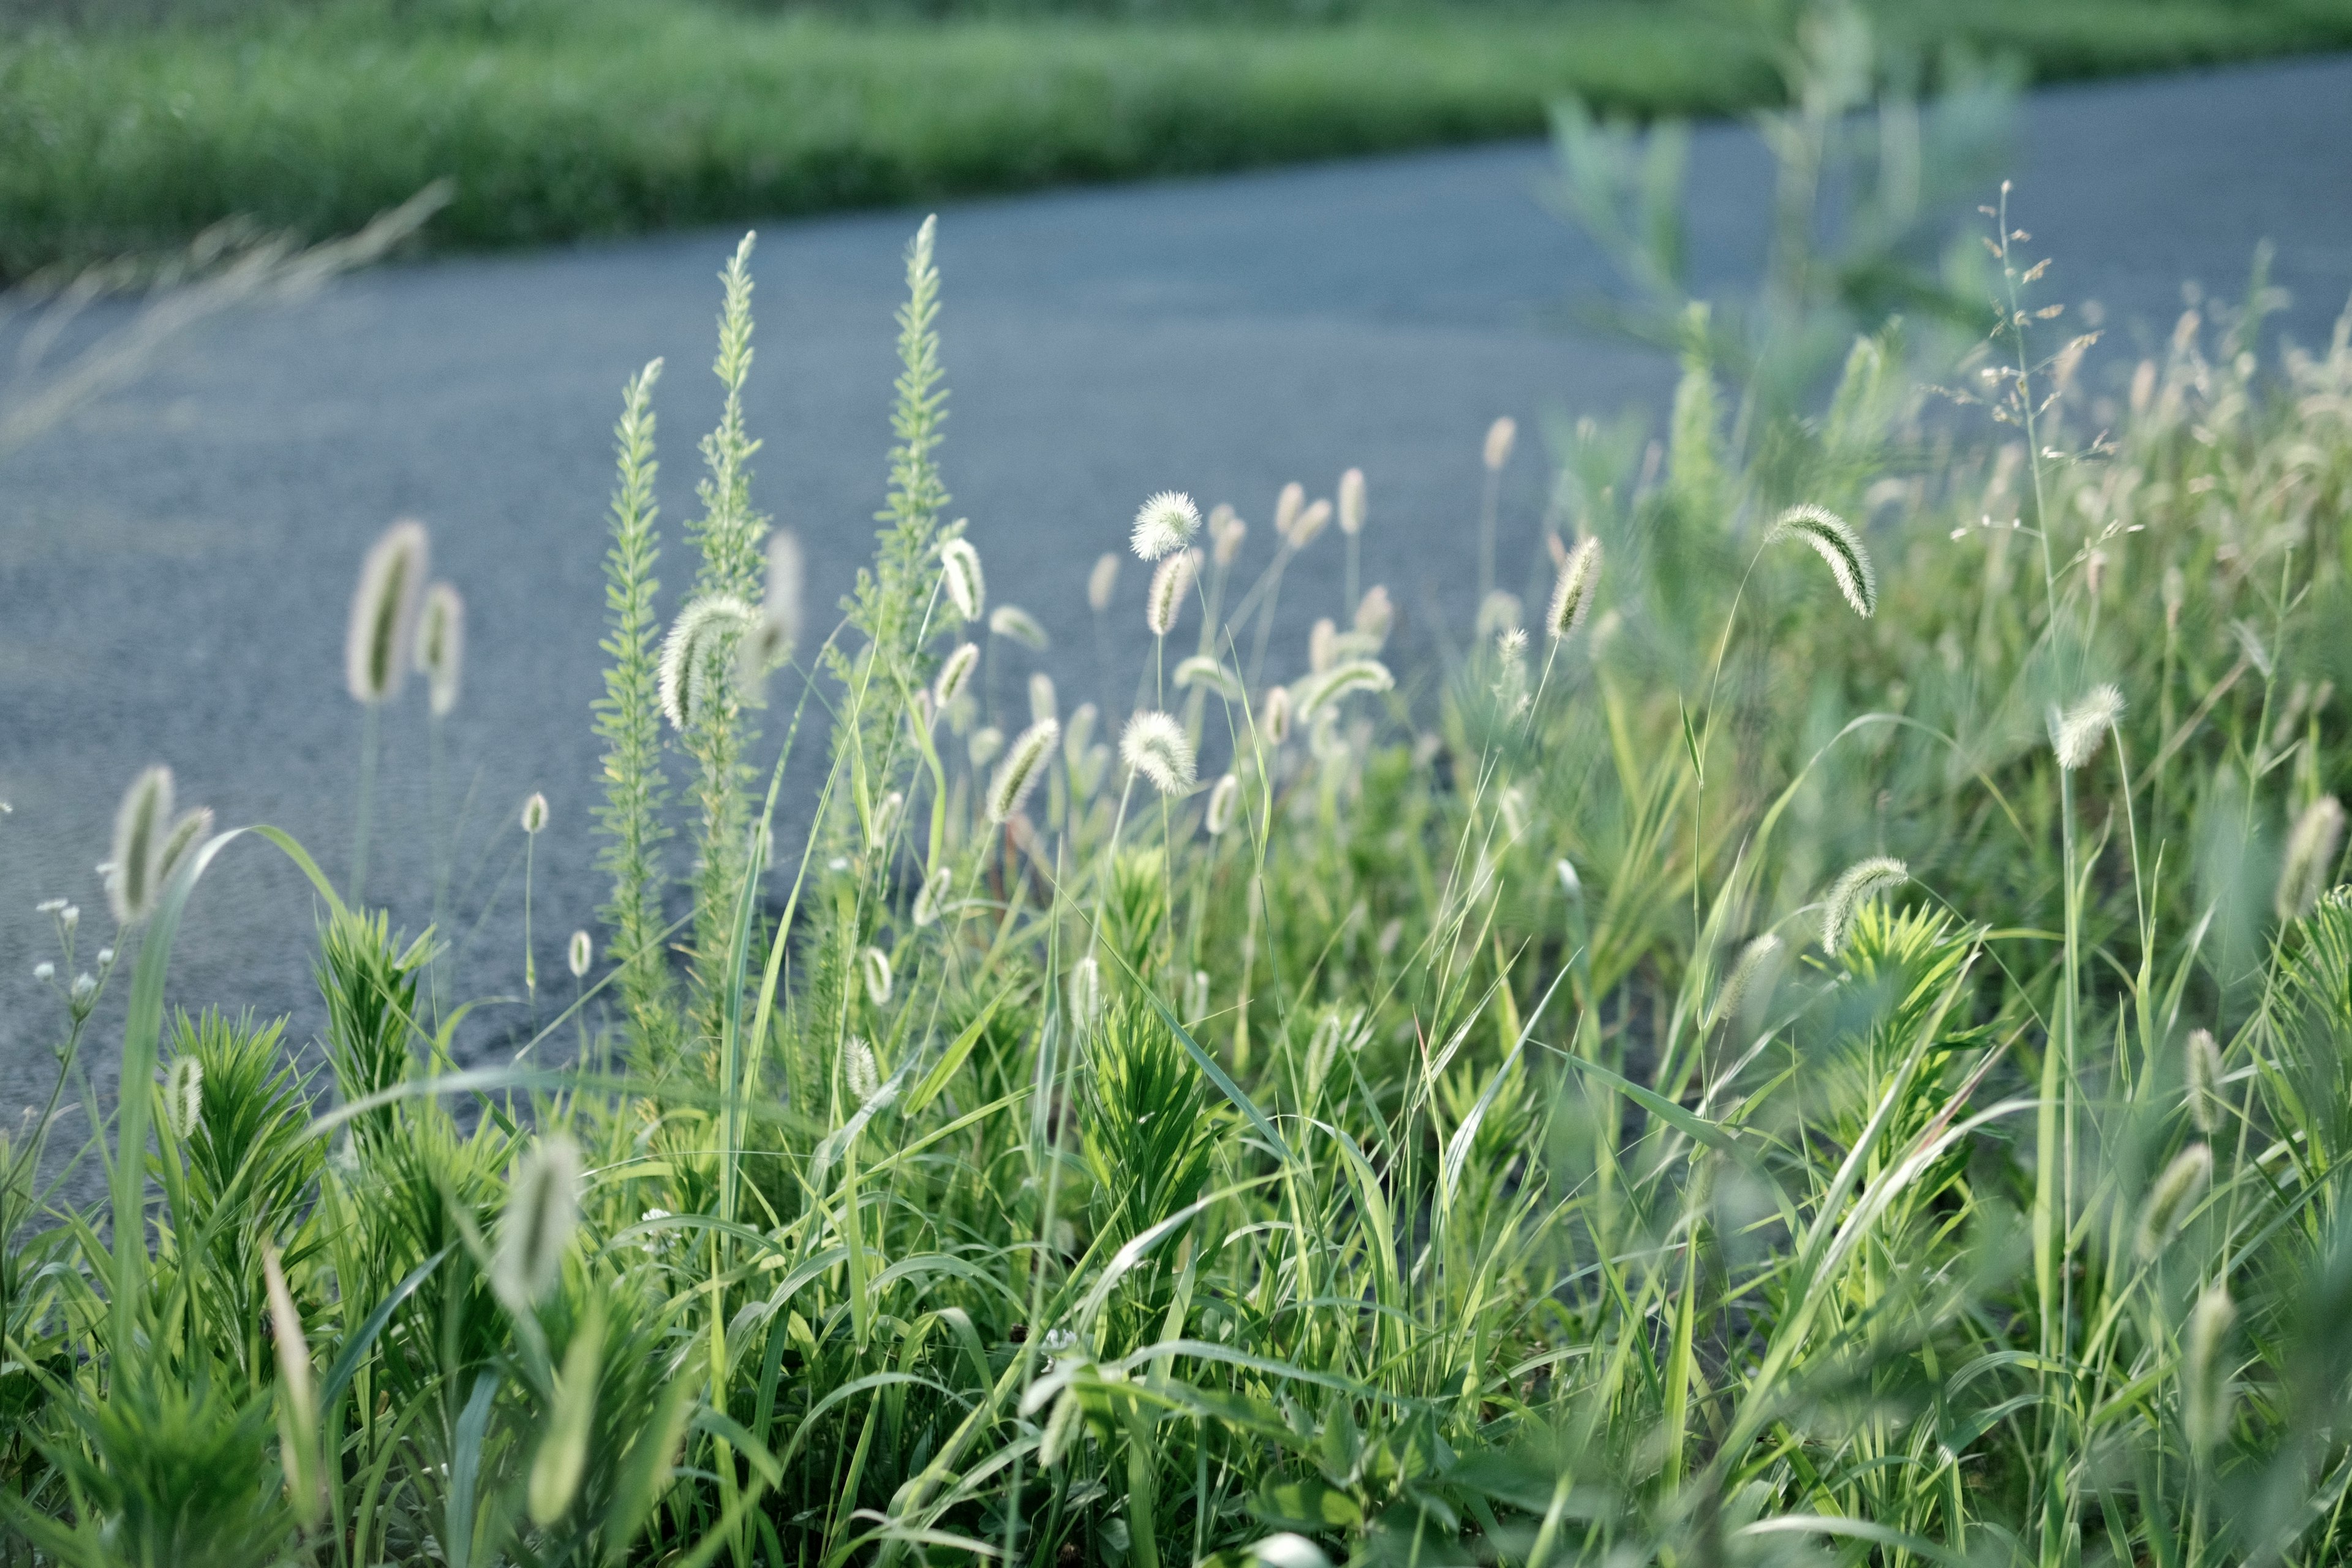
{"type": "Point", "coordinates": [132, 125]}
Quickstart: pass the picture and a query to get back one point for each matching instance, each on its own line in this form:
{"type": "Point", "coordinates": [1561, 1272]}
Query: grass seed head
{"type": "Point", "coordinates": [1043, 702]}
{"type": "Point", "coordinates": [1839, 547]}
{"type": "Point", "coordinates": [1102, 582]}
{"type": "Point", "coordinates": [1227, 532]}
{"type": "Point", "coordinates": [2075, 734]}
{"type": "Point", "coordinates": [142, 825]}
{"type": "Point", "coordinates": [858, 1070]}
{"type": "Point", "coordinates": [1079, 732]}
{"type": "Point", "coordinates": [1324, 690]}
{"type": "Point", "coordinates": [1375, 615]}
{"type": "Point", "coordinates": [1017, 624]}
{"type": "Point", "coordinates": [183, 1097]}
{"type": "Point", "coordinates": [2171, 1199]}
{"type": "Point", "coordinates": [2309, 867]}
{"type": "Point", "coordinates": [1754, 959]}
{"type": "Point", "coordinates": [1164, 524]}
{"type": "Point", "coordinates": [2205, 1391]}
{"type": "Point", "coordinates": [1023, 766]}
{"type": "Point", "coordinates": [190, 831]}
{"type": "Point", "coordinates": [2202, 1069]}
{"type": "Point", "coordinates": [1153, 744]}
{"type": "Point", "coordinates": [562, 1455]}
{"type": "Point", "coordinates": [1856, 886]}
{"type": "Point", "coordinates": [1202, 671]}
{"type": "Point", "coordinates": [955, 674]}
{"type": "Point", "coordinates": [1352, 502]}
{"type": "Point", "coordinates": [1275, 719]}
{"type": "Point", "coordinates": [698, 653]}
{"type": "Point", "coordinates": [933, 896]}
{"type": "Point", "coordinates": [1287, 506]}
{"type": "Point", "coordinates": [580, 953]}
{"type": "Point", "coordinates": [961, 578]}
{"type": "Point", "coordinates": [441, 647]}
{"type": "Point", "coordinates": [1223, 801]}
{"type": "Point", "coordinates": [874, 966]}
{"type": "Point", "coordinates": [1170, 583]}
{"type": "Point", "coordinates": [1322, 649]}
{"type": "Point", "coordinates": [1500, 437]}
{"type": "Point", "coordinates": [780, 609]}
{"type": "Point", "coordinates": [377, 642]}
{"type": "Point", "coordinates": [1085, 991]}
{"type": "Point", "coordinates": [1307, 524]}
{"type": "Point", "coordinates": [1196, 997]}
{"type": "Point", "coordinates": [534, 813]}
{"type": "Point", "coordinates": [541, 1214]}
{"type": "Point", "coordinates": [985, 742]}
{"type": "Point", "coordinates": [1571, 595]}
{"type": "Point", "coordinates": [297, 1410]}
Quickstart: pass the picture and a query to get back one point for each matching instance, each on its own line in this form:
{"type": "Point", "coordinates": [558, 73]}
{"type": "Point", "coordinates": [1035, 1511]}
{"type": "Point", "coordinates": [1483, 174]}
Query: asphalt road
{"type": "Point", "coordinates": [175, 563]}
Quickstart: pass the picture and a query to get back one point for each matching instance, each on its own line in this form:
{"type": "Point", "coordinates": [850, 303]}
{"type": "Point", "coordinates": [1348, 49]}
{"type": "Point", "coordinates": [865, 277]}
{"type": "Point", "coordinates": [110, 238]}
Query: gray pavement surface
{"type": "Point", "coordinates": [176, 562]}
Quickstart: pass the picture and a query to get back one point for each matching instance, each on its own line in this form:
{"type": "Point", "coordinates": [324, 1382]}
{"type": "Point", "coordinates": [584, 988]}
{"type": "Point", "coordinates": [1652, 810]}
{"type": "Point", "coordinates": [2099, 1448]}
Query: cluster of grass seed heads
{"type": "Point", "coordinates": [1153, 744]}
{"type": "Point", "coordinates": [1307, 523]}
{"type": "Point", "coordinates": [1835, 541]}
{"type": "Point", "coordinates": [1014, 624]}
{"type": "Point", "coordinates": [543, 1212]}
{"type": "Point", "coordinates": [1170, 583]}
{"type": "Point", "coordinates": [1856, 886]}
{"type": "Point", "coordinates": [441, 647]}
{"type": "Point", "coordinates": [1023, 766]}
{"type": "Point", "coordinates": [380, 636]}
{"type": "Point", "coordinates": [697, 655]}
{"type": "Point", "coordinates": [1164, 524]}
{"type": "Point", "coordinates": [961, 578]}
{"type": "Point", "coordinates": [1571, 595]}
{"type": "Point", "coordinates": [2309, 867]}
{"type": "Point", "coordinates": [2075, 734]}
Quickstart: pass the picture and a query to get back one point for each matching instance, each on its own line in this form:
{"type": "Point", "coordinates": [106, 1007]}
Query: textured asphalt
{"type": "Point", "coordinates": [175, 563]}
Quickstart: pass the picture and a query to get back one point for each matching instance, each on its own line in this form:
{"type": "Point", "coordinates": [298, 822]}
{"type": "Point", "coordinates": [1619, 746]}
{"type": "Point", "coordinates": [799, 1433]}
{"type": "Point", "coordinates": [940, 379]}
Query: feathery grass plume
{"type": "Point", "coordinates": [1375, 613]}
{"type": "Point", "coordinates": [541, 1214]}
{"type": "Point", "coordinates": [1321, 653]}
{"type": "Point", "coordinates": [1287, 506]}
{"type": "Point", "coordinates": [1275, 715]}
{"type": "Point", "coordinates": [2201, 1068]}
{"type": "Point", "coordinates": [955, 674]}
{"type": "Point", "coordinates": [1838, 546]}
{"type": "Point", "coordinates": [1571, 595]}
{"type": "Point", "coordinates": [1196, 997]}
{"type": "Point", "coordinates": [1352, 502]}
{"type": "Point", "coordinates": [534, 813]}
{"type": "Point", "coordinates": [628, 719]}
{"type": "Point", "coordinates": [1164, 523]}
{"type": "Point", "coordinates": [1013, 622]}
{"type": "Point", "coordinates": [2175, 1193]}
{"type": "Point", "coordinates": [1153, 744]}
{"type": "Point", "coordinates": [933, 896]}
{"type": "Point", "coordinates": [1226, 531]}
{"type": "Point", "coordinates": [382, 627]}
{"type": "Point", "coordinates": [859, 1074]}
{"type": "Point", "coordinates": [885, 818]}
{"type": "Point", "coordinates": [441, 647]}
{"type": "Point", "coordinates": [1043, 702]}
{"type": "Point", "coordinates": [874, 966]}
{"type": "Point", "coordinates": [985, 742]}
{"type": "Point", "coordinates": [2309, 867]}
{"type": "Point", "coordinates": [1223, 801]}
{"type": "Point", "coordinates": [297, 1404]}
{"type": "Point", "coordinates": [1078, 732]}
{"type": "Point", "coordinates": [1170, 583]}
{"type": "Point", "coordinates": [1085, 991]}
{"type": "Point", "coordinates": [562, 1457]}
{"type": "Point", "coordinates": [190, 831]}
{"type": "Point", "coordinates": [1501, 436]}
{"type": "Point", "coordinates": [1320, 691]}
{"type": "Point", "coordinates": [697, 655]}
{"type": "Point", "coordinates": [1023, 766]}
{"type": "Point", "coordinates": [183, 1097]}
{"type": "Point", "coordinates": [1753, 959]}
{"type": "Point", "coordinates": [141, 824]}
{"type": "Point", "coordinates": [1102, 582]}
{"type": "Point", "coordinates": [960, 577]}
{"type": "Point", "coordinates": [580, 953]}
{"type": "Point", "coordinates": [1307, 524]}
{"type": "Point", "coordinates": [1202, 671]}
{"type": "Point", "coordinates": [2205, 1391]}
{"type": "Point", "coordinates": [2075, 734]}
{"type": "Point", "coordinates": [1856, 885]}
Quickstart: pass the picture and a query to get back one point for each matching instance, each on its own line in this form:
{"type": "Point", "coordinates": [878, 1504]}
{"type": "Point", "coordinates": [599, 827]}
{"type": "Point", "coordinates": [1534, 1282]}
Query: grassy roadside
{"type": "Point", "coordinates": [623, 116]}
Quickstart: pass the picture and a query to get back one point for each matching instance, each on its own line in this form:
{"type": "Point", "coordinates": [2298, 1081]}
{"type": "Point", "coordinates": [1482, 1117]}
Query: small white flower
{"type": "Point", "coordinates": [1165, 523]}
{"type": "Point", "coordinates": [44, 970]}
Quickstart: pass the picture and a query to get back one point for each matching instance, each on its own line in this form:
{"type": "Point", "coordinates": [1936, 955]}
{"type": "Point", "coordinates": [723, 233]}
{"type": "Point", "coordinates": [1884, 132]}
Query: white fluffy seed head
{"type": "Point", "coordinates": [1202, 671]}
{"type": "Point", "coordinates": [2075, 734]}
{"type": "Point", "coordinates": [2201, 1068]}
{"type": "Point", "coordinates": [1571, 596]}
{"type": "Point", "coordinates": [955, 674]}
{"type": "Point", "coordinates": [985, 742]}
{"type": "Point", "coordinates": [1223, 801]}
{"type": "Point", "coordinates": [141, 824]}
{"type": "Point", "coordinates": [580, 955]}
{"type": "Point", "coordinates": [2312, 846]}
{"type": "Point", "coordinates": [874, 966]}
{"type": "Point", "coordinates": [1839, 547]}
{"type": "Point", "coordinates": [1226, 531]}
{"type": "Point", "coordinates": [1287, 506]}
{"type": "Point", "coordinates": [2206, 1395]}
{"type": "Point", "coordinates": [1043, 702]}
{"type": "Point", "coordinates": [1102, 582]}
{"type": "Point", "coordinates": [2171, 1199]}
{"type": "Point", "coordinates": [1023, 766]}
{"type": "Point", "coordinates": [1307, 524]}
{"type": "Point", "coordinates": [1085, 991]}
{"type": "Point", "coordinates": [1856, 886]}
{"type": "Point", "coordinates": [961, 581]}
{"type": "Point", "coordinates": [1375, 613]}
{"type": "Point", "coordinates": [378, 640]}
{"type": "Point", "coordinates": [191, 830]}
{"type": "Point", "coordinates": [534, 813]}
{"type": "Point", "coordinates": [1321, 650]}
{"type": "Point", "coordinates": [1352, 502]}
{"type": "Point", "coordinates": [1170, 583]}
{"type": "Point", "coordinates": [858, 1073]}
{"type": "Point", "coordinates": [1013, 622]}
{"type": "Point", "coordinates": [933, 896]}
{"type": "Point", "coordinates": [542, 1213]}
{"type": "Point", "coordinates": [1153, 744]}
{"type": "Point", "coordinates": [1501, 436]}
{"type": "Point", "coordinates": [1326, 689]}
{"type": "Point", "coordinates": [698, 657]}
{"type": "Point", "coordinates": [1164, 524]}
{"type": "Point", "coordinates": [1753, 960]}
{"type": "Point", "coordinates": [183, 1097]}
{"type": "Point", "coordinates": [1275, 719]}
{"type": "Point", "coordinates": [441, 647]}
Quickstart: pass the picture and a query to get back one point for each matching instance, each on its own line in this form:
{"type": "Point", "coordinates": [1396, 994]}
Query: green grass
{"type": "Point", "coordinates": [625, 115]}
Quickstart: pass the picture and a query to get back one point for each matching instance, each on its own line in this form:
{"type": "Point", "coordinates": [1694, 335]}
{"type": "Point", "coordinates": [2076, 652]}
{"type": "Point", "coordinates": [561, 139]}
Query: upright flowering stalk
{"type": "Point", "coordinates": [378, 648]}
